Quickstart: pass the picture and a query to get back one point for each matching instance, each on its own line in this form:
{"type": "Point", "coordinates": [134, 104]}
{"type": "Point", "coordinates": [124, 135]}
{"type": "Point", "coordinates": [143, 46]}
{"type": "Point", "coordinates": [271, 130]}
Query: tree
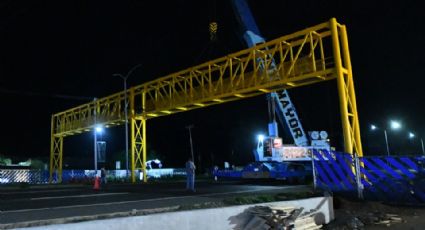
{"type": "Point", "coordinates": [37, 164]}
{"type": "Point", "coordinates": [5, 161]}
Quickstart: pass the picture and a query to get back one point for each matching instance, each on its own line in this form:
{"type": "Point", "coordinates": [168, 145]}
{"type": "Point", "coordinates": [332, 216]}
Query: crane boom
{"type": "Point", "coordinates": [285, 109]}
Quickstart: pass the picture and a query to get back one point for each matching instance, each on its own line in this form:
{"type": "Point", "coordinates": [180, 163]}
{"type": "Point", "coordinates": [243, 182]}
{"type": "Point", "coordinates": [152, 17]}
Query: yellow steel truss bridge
{"type": "Point", "coordinates": [309, 56]}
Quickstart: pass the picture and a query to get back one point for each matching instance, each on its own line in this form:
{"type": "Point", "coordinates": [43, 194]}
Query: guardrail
{"type": "Point", "coordinates": [33, 176]}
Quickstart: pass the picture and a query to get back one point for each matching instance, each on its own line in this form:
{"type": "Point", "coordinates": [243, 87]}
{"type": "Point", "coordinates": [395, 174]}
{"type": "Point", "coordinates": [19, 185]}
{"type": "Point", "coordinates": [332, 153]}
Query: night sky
{"type": "Point", "coordinates": [58, 54]}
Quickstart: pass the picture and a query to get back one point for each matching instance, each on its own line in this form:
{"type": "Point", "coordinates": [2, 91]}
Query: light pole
{"type": "Point", "coordinates": [126, 111]}
{"type": "Point", "coordinates": [386, 141]}
{"type": "Point", "coordinates": [95, 152]}
{"type": "Point", "coordinates": [189, 127]}
{"type": "Point", "coordinates": [97, 129]}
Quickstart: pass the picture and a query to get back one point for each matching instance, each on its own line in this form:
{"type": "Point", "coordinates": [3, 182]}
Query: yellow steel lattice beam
{"type": "Point", "coordinates": [301, 58]}
{"type": "Point", "coordinates": [238, 75]}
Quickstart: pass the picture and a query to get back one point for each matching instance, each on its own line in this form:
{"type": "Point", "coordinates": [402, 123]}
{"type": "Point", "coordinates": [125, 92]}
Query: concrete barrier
{"type": "Point", "coordinates": [214, 218]}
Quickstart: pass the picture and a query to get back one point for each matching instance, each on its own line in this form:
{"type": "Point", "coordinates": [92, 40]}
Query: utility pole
{"type": "Point", "coordinates": [189, 127]}
{"type": "Point", "coordinates": [126, 111]}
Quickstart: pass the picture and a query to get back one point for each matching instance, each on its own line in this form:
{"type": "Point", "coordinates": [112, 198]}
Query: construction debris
{"type": "Point", "coordinates": [357, 220]}
{"type": "Point", "coordinates": [280, 218]}
{"type": "Point", "coordinates": [355, 223]}
{"type": "Point", "coordinates": [386, 219]}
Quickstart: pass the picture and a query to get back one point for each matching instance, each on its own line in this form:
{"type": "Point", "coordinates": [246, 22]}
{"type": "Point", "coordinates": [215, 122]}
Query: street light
{"type": "Point", "coordinates": [412, 135]}
{"type": "Point", "coordinates": [125, 110]}
{"type": "Point", "coordinates": [395, 125]}
{"type": "Point", "coordinates": [260, 137]}
{"type": "Point", "coordinates": [99, 129]}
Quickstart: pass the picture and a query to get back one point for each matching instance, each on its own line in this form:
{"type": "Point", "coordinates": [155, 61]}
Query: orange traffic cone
{"type": "Point", "coordinates": [96, 183]}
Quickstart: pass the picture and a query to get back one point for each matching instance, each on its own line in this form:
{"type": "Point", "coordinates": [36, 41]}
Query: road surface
{"type": "Point", "coordinates": [38, 204]}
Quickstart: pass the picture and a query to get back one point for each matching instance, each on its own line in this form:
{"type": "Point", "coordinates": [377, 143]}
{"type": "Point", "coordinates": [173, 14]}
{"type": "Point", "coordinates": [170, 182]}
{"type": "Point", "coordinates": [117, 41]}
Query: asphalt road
{"type": "Point", "coordinates": [46, 203]}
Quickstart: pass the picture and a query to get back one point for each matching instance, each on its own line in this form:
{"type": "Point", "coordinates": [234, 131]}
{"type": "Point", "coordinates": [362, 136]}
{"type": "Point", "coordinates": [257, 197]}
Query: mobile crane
{"type": "Point", "coordinates": [272, 158]}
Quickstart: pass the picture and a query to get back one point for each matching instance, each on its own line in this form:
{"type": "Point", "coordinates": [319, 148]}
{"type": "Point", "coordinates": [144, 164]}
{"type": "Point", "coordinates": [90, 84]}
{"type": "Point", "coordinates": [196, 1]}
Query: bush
{"type": "Point", "coordinates": [37, 164]}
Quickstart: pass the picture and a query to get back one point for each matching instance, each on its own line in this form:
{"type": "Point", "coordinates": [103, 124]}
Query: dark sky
{"type": "Point", "coordinates": [51, 50]}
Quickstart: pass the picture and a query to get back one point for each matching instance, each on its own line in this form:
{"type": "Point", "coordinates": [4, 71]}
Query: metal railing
{"type": "Point", "coordinates": [33, 176]}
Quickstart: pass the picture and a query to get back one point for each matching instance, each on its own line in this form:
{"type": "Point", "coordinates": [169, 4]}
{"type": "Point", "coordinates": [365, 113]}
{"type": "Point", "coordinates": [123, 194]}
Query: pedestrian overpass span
{"type": "Point", "coordinates": [309, 56]}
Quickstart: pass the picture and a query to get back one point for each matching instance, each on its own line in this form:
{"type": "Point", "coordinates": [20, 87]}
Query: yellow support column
{"type": "Point", "coordinates": [60, 159]}
{"type": "Point", "coordinates": [345, 84]}
{"type": "Point", "coordinates": [138, 140]}
{"type": "Point", "coordinates": [351, 93]}
{"type": "Point", "coordinates": [133, 140]}
{"type": "Point", "coordinates": [145, 174]}
{"type": "Point", "coordinates": [56, 149]}
{"type": "Point", "coordinates": [348, 144]}
{"type": "Point", "coordinates": [137, 145]}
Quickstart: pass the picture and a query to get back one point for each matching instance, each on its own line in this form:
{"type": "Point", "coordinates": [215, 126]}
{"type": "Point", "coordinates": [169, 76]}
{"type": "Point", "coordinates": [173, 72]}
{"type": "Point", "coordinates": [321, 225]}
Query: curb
{"type": "Point", "coordinates": [68, 220]}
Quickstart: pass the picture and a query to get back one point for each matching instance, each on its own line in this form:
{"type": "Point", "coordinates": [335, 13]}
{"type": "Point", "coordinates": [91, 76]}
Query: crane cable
{"type": "Point", "coordinates": [213, 26]}
{"type": "Point", "coordinates": [213, 29]}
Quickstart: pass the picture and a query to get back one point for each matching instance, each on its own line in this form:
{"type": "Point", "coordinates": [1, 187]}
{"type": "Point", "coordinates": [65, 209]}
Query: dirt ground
{"type": "Point", "coordinates": [375, 215]}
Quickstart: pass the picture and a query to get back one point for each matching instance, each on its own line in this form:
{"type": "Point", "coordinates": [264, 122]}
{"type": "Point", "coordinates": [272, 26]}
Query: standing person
{"type": "Point", "coordinates": [190, 172]}
{"type": "Point", "coordinates": [103, 176]}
